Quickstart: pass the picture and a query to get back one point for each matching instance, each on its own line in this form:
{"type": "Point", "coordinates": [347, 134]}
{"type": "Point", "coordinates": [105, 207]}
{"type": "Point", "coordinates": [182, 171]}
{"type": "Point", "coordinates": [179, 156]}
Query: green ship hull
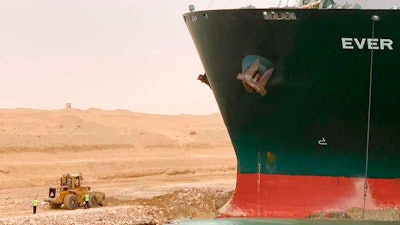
{"type": "Point", "coordinates": [326, 119]}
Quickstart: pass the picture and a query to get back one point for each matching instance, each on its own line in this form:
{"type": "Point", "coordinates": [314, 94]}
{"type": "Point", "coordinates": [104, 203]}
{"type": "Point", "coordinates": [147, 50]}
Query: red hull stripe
{"type": "Point", "coordinates": [285, 196]}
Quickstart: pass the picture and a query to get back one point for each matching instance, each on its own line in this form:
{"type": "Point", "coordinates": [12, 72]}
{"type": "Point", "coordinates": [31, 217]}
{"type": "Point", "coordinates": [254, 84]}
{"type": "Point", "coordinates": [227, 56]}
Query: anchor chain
{"type": "Point", "coordinates": [373, 18]}
{"type": "Point", "coordinates": [259, 183]}
{"type": "Point", "coordinates": [365, 196]}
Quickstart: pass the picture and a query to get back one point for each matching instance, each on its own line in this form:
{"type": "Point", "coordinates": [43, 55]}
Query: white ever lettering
{"type": "Point", "coordinates": [370, 43]}
{"type": "Point", "coordinates": [373, 43]}
{"type": "Point", "coordinates": [386, 43]}
{"type": "Point", "coordinates": [346, 43]}
{"type": "Point", "coordinates": [360, 45]}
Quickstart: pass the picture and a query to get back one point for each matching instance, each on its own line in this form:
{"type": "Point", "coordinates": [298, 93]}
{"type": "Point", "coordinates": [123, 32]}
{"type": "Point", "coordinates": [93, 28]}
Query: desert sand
{"type": "Point", "coordinates": [132, 157]}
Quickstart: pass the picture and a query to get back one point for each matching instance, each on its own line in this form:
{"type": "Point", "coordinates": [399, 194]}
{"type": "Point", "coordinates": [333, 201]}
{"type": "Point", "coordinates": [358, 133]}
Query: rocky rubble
{"type": "Point", "coordinates": [190, 203]}
{"type": "Point", "coordinates": [107, 215]}
{"type": "Point", "coordinates": [389, 214]}
{"type": "Point", "coordinates": [187, 203]}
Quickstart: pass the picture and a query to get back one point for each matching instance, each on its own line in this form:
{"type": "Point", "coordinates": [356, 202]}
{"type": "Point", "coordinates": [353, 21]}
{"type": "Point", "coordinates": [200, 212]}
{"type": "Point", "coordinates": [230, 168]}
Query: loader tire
{"type": "Point", "coordinates": [93, 201]}
{"type": "Point", "coordinates": [71, 202]}
{"type": "Point", "coordinates": [102, 199]}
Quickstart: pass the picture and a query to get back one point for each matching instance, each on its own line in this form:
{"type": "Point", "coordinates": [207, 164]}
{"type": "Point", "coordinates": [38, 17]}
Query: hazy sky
{"type": "Point", "coordinates": [111, 54]}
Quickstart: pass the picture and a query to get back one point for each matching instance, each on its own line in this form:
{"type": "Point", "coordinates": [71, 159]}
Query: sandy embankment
{"type": "Point", "coordinates": [124, 154]}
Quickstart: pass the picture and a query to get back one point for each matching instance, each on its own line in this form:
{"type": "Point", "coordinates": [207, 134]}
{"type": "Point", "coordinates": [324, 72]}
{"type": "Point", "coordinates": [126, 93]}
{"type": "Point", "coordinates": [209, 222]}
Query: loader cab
{"type": "Point", "coordinates": [71, 180]}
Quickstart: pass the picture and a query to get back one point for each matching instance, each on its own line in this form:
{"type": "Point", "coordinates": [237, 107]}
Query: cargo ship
{"type": "Point", "coordinates": [310, 96]}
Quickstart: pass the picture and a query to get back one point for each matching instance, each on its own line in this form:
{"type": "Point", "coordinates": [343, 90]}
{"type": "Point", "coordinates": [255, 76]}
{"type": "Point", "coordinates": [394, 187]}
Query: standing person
{"type": "Point", "coordinates": [87, 200]}
{"type": "Point", "coordinates": [34, 205]}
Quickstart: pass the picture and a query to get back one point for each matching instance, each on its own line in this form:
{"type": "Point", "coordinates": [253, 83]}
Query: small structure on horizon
{"type": "Point", "coordinates": [68, 105]}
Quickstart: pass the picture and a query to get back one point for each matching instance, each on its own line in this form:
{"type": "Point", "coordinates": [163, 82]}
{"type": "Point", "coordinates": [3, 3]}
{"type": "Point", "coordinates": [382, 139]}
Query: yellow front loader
{"type": "Point", "coordinates": [71, 193]}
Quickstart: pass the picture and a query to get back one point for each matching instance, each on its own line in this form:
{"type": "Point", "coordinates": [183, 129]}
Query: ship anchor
{"type": "Point", "coordinates": [252, 79]}
{"type": "Point", "coordinates": [204, 79]}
